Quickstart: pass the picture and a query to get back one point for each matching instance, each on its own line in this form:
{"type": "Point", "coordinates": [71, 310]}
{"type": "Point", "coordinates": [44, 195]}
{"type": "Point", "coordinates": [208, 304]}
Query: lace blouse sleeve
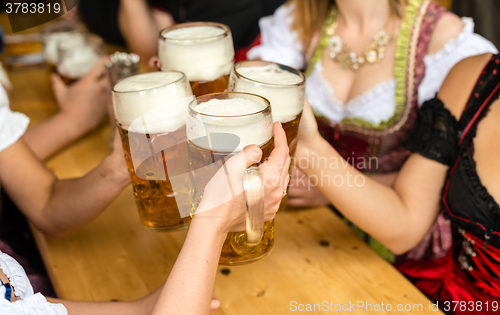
{"type": "Point", "coordinates": [437, 66]}
{"type": "Point", "coordinates": [278, 42]}
{"type": "Point", "coordinates": [29, 303]}
{"type": "Point", "coordinates": [12, 124]}
{"type": "Point", "coordinates": [434, 133]}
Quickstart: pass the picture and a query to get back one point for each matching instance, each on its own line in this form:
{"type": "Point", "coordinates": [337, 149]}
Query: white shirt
{"type": "Point", "coordinates": [29, 303]}
{"type": "Point", "coordinates": [280, 44]}
{"type": "Point", "coordinates": [12, 124]}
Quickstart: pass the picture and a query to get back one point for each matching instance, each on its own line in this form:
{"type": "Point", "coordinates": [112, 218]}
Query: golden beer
{"type": "Point", "coordinates": [283, 86]}
{"type": "Point", "coordinates": [155, 198]}
{"type": "Point", "coordinates": [248, 118]}
{"type": "Point", "coordinates": [202, 50]}
{"type": "Point", "coordinates": [207, 87]}
{"type": "Point", "coordinates": [150, 111]}
{"type": "Point", "coordinates": [67, 80]}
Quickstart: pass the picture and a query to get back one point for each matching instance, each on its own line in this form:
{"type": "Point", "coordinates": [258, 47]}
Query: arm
{"type": "Point", "coordinates": [188, 289]}
{"type": "Point", "coordinates": [303, 194]}
{"type": "Point", "coordinates": [193, 275]}
{"type": "Point", "coordinates": [140, 25]}
{"type": "Point", "coordinates": [82, 106]}
{"type": "Point", "coordinates": [58, 206]}
{"type": "Point", "coordinates": [399, 216]}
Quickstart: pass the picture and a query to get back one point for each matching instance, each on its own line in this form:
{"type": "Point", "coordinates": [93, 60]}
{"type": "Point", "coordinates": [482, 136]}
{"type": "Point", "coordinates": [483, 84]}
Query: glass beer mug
{"type": "Point", "coordinates": [202, 50]}
{"type": "Point", "coordinates": [219, 126]}
{"type": "Point", "coordinates": [283, 86]}
{"type": "Point", "coordinates": [150, 111]}
{"type": "Point", "coordinates": [53, 34]}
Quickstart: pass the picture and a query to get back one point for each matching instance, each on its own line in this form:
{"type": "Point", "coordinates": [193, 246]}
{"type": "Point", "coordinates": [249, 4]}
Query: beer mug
{"type": "Point", "coordinates": [53, 34]}
{"type": "Point", "coordinates": [78, 55]}
{"type": "Point", "coordinates": [202, 50]}
{"type": "Point", "coordinates": [219, 126]}
{"type": "Point", "coordinates": [283, 86]}
{"type": "Point", "coordinates": [150, 111]}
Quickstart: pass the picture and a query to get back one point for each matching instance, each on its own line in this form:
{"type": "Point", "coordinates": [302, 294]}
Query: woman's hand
{"type": "Point", "coordinates": [308, 128]}
{"type": "Point", "coordinates": [154, 63]}
{"type": "Point", "coordinates": [224, 200]}
{"type": "Point", "coordinates": [302, 193]}
{"type": "Point", "coordinates": [82, 106]}
{"type": "Point", "coordinates": [116, 161]}
{"type": "Point", "coordinates": [85, 102]}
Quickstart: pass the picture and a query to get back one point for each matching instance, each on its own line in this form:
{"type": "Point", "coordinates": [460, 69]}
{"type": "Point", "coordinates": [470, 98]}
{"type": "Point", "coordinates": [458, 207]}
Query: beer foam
{"type": "Point", "coordinates": [195, 33]}
{"type": "Point", "coordinates": [236, 116]}
{"type": "Point", "coordinates": [271, 74]}
{"type": "Point", "coordinates": [203, 53]}
{"type": "Point", "coordinates": [78, 62]}
{"type": "Point", "coordinates": [275, 84]}
{"type": "Point", "coordinates": [155, 102]}
{"type": "Point", "coordinates": [229, 107]}
{"type": "Point", "coordinates": [51, 42]}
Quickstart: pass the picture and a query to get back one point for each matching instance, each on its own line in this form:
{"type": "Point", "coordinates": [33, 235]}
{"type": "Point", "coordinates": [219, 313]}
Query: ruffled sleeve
{"type": "Point", "coordinates": [434, 133]}
{"type": "Point", "coordinates": [12, 124]}
{"type": "Point", "coordinates": [29, 303]}
{"type": "Point", "coordinates": [17, 277]}
{"type": "Point", "coordinates": [437, 66]}
{"type": "Point", "coordinates": [278, 42]}
{"type": "Point", "coordinates": [36, 304]}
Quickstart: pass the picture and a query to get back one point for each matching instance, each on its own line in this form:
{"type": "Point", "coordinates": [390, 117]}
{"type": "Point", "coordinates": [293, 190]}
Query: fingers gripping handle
{"type": "Point", "coordinates": [254, 195]}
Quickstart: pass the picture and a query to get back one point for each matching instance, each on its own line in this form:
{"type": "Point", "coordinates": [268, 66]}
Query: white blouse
{"type": "Point", "coordinates": [28, 303]}
{"type": "Point", "coordinates": [12, 124]}
{"type": "Point", "coordinates": [280, 44]}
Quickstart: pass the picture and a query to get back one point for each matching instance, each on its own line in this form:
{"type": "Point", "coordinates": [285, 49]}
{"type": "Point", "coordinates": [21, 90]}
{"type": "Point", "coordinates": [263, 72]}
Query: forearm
{"type": "Point", "coordinates": [52, 135]}
{"type": "Point", "coordinates": [101, 308]}
{"type": "Point", "coordinates": [398, 217]}
{"type": "Point", "coordinates": [141, 36]}
{"type": "Point", "coordinates": [188, 289]}
{"type": "Point", "coordinates": [75, 202]}
{"type": "Point", "coordinates": [143, 306]}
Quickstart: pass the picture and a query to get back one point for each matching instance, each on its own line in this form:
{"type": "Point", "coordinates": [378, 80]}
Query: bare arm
{"type": "Point", "coordinates": [303, 194]}
{"type": "Point", "coordinates": [140, 307]}
{"type": "Point", "coordinates": [399, 216]}
{"type": "Point", "coordinates": [82, 106]}
{"type": "Point", "coordinates": [140, 25]}
{"type": "Point", "coordinates": [58, 206]}
{"type": "Point", "coordinates": [188, 289]}
{"type": "Point", "coordinates": [193, 275]}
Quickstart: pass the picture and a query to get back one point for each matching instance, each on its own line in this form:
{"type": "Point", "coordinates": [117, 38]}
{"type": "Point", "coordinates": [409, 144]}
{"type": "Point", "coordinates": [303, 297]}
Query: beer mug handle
{"type": "Point", "coordinates": [254, 195]}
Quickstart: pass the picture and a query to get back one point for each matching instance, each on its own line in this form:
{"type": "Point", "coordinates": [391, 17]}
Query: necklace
{"type": "Point", "coordinates": [342, 54]}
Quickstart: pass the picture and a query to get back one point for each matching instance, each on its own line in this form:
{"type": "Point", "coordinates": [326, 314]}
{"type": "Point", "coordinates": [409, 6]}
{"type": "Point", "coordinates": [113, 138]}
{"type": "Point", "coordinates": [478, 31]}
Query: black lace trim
{"type": "Point", "coordinates": [475, 182]}
{"type": "Point", "coordinates": [434, 133]}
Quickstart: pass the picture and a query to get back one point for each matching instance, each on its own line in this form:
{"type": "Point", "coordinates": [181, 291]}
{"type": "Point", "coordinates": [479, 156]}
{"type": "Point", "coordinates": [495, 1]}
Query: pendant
{"type": "Point", "coordinates": [371, 56]}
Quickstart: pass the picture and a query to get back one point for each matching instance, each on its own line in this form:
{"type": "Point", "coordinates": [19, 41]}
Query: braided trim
{"type": "Point", "coordinates": [323, 42]}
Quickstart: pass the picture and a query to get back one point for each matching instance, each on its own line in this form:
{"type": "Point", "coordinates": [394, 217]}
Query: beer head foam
{"type": "Point", "coordinates": [155, 102]}
{"type": "Point", "coordinates": [51, 42]}
{"type": "Point", "coordinates": [78, 55]}
{"type": "Point", "coordinates": [279, 87]}
{"type": "Point", "coordinates": [237, 116]}
{"type": "Point", "coordinates": [202, 52]}
{"type": "Point", "coordinates": [78, 62]}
